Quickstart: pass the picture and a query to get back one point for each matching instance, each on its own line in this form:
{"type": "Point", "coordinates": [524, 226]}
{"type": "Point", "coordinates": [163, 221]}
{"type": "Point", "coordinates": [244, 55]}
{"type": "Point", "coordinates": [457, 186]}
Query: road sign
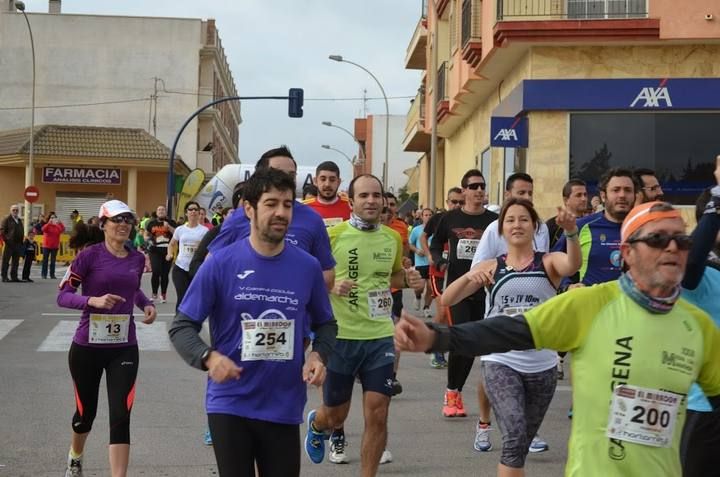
{"type": "Point", "coordinates": [32, 194]}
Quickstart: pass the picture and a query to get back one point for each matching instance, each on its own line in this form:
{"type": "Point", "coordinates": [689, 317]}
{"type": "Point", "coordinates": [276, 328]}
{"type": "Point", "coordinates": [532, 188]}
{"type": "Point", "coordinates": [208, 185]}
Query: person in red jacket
{"type": "Point", "coordinates": [51, 243]}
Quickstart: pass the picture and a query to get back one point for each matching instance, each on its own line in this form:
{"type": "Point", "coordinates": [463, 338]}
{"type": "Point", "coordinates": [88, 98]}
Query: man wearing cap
{"type": "Point", "coordinates": [637, 348]}
{"type": "Point", "coordinates": [12, 233]}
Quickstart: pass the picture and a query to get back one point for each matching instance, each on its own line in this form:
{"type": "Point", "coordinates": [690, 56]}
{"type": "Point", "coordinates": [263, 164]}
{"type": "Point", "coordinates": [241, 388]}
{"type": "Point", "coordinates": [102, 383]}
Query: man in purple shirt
{"type": "Point", "coordinates": [258, 309]}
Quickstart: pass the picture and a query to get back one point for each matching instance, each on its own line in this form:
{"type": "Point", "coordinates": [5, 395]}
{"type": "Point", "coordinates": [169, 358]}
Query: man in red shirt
{"type": "Point", "coordinates": [331, 207]}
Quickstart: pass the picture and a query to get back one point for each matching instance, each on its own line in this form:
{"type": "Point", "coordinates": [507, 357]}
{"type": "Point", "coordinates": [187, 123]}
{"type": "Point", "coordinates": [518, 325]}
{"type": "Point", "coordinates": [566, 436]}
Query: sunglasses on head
{"type": "Point", "coordinates": [457, 202]}
{"type": "Point", "coordinates": [661, 240]}
{"type": "Point", "coordinates": [476, 186]}
{"type": "Point", "coordinates": [118, 219]}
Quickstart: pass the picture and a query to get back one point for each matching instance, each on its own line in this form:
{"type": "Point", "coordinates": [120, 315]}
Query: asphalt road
{"type": "Point", "coordinates": [168, 421]}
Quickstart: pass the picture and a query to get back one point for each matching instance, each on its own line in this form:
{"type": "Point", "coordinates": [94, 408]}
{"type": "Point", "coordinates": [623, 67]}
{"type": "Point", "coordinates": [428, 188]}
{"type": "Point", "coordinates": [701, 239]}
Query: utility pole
{"type": "Point", "coordinates": [154, 101]}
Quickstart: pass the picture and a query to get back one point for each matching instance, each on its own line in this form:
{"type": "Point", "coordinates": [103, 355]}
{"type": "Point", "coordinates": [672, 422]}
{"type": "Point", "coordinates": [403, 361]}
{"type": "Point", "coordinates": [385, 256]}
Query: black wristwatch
{"type": "Point", "coordinates": [204, 357]}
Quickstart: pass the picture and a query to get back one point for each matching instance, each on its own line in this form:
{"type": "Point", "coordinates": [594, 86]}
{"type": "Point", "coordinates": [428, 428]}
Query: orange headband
{"type": "Point", "coordinates": [641, 215]}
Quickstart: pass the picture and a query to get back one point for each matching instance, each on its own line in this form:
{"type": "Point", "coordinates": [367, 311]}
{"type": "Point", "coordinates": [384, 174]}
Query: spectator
{"type": "Point", "coordinates": [11, 230]}
{"type": "Point", "coordinates": [50, 244]}
{"type": "Point", "coordinates": [29, 253]}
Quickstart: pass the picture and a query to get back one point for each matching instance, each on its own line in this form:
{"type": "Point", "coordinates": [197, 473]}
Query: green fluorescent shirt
{"type": "Point", "coordinates": [615, 341]}
{"type": "Point", "coordinates": [368, 258]}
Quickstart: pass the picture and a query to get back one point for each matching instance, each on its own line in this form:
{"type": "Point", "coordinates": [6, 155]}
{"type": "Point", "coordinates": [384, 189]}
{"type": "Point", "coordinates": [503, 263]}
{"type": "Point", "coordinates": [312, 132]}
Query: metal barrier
{"type": "Point", "coordinates": [65, 253]}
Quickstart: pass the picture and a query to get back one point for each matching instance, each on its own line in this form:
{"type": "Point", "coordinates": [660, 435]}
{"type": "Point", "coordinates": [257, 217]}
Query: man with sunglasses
{"type": "Point", "coordinates": [637, 348]}
{"type": "Point", "coordinates": [462, 229]}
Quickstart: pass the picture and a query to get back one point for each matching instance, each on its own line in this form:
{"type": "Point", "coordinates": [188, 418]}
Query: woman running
{"type": "Point", "coordinates": [160, 230]}
{"type": "Point", "coordinates": [105, 339]}
{"type": "Point", "coordinates": [519, 384]}
{"type": "Point", "coordinates": [187, 237]}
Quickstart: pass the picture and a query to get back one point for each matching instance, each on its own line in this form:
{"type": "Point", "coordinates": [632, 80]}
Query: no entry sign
{"type": "Point", "coordinates": [32, 194]}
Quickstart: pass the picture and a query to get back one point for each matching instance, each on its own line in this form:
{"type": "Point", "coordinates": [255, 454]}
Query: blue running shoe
{"type": "Point", "coordinates": [538, 445]}
{"type": "Point", "coordinates": [314, 441]}
{"type": "Point", "coordinates": [208, 438]}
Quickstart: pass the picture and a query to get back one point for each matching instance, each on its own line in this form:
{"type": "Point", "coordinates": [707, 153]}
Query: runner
{"type": "Point", "coordinates": [701, 437]}
{"type": "Point", "coordinates": [160, 231]}
{"type": "Point", "coordinates": [258, 310]}
{"type": "Point", "coordinates": [492, 245]}
{"type": "Point", "coordinates": [574, 194]}
{"type": "Point", "coordinates": [649, 186]}
{"type": "Point", "coordinates": [306, 231]}
{"type": "Point", "coordinates": [369, 262]}
{"type": "Point", "coordinates": [421, 263]}
{"type": "Point", "coordinates": [462, 229]}
{"type": "Point", "coordinates": [630, 406]}
{"type": "Point", "coordinates": [105, 339]}
{"type": "Point", "coordinates": [454, 200]}
{"type": "Point", "coordinates": [520, 384]}
{"type": "Point", "coordinates": [332, 208]}
{"type": "Point", "coordinates": [187, 237]}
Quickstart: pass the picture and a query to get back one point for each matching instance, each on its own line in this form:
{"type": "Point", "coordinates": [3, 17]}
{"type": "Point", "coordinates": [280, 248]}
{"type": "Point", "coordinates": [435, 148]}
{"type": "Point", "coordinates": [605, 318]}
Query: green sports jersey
{"type": "Point", "coordinates": [614, 342]}
{"type": "Point", "coordinates": [368, 258]}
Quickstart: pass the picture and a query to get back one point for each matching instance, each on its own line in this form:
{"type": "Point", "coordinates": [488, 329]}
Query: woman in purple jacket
{"type": "Point", "coordinates": [105, 339]}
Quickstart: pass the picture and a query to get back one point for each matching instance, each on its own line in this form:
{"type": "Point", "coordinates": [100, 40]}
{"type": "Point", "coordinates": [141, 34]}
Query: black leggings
{"type": "Point", "coordinates": [700, 443]}
{"type": "Point", "coordinates": [160, 270]}
{"type": "Point", "coordinates": [459, 366]}
{"type": "Point", "coordinates": [240, 442]}
{"type": "Point", "coordinates": [86, 368]}
{"type": "Point", "coordinates": [181, 280]}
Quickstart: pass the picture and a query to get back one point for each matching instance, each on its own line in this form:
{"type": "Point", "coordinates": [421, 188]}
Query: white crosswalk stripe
{"type": "Point", "coordinates": [6, 326]}
{"type": "Point", "coordinates": [150, 337]}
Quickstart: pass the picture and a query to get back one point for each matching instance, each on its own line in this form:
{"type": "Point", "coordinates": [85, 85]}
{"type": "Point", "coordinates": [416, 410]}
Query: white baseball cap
{"type": "Point", "coordinates": [114, 207]}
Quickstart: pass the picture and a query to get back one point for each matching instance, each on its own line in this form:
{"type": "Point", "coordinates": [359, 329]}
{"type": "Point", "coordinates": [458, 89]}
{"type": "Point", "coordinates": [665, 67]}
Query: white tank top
{"type": "Point", "coordinates": [513, 293]}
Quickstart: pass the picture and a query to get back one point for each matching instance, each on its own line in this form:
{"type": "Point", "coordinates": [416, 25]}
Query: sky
{"type": "Point", "coordinates": [274, 45]}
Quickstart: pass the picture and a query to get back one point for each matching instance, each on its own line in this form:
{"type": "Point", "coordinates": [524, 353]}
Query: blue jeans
{"type": "Point", "coordinates": [51, 254]}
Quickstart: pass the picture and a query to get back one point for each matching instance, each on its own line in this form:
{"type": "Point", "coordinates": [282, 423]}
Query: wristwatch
{"type": "Point", "coordinates": [205, 356]}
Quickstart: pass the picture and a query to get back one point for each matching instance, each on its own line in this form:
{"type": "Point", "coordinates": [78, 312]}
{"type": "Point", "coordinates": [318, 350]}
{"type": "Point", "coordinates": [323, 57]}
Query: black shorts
{"type": "Point", "coordinates": [699, 444]}
{"type": "Point", "coordinates": [437, 285]}
{"type": "Point", "coordinates": [469, 309]}
{"type": "Point", "coordinates": [424, 271]}
{"type": "Point", "coordinates": [240, 442]}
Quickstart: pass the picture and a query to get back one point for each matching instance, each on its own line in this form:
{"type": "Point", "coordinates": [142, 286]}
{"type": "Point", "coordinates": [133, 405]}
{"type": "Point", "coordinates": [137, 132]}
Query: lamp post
{"type": "Point", "coordinates": [360, 145]}
{"type": "Point", "coordinates": [327, 146]}
{"type": "Point", "coordinates": [339, 58]}
{"type": "Point", "coordinates": [30, 168]}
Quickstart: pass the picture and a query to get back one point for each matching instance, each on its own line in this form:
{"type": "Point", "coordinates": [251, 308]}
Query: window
{"type": "Point", "coordinates": [679, 147]}
{"type": "Point", "coordinates": [594, 9]}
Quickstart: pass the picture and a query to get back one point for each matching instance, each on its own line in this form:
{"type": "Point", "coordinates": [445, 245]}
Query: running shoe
{"type": "Point", "coordinates": [153, 298]}
{"type": "Point", "coordinates": [427, 313]}
{"type": "Point", "coordinates": [570, 413]}
{"type": "Point", "coordinates": [386, 457]}
{"type": "Point", "coordinates": [314, 440]}
{"type": "Point", "coordinates": [74, 468]}
{"type": "Point", "coordinates": [435, 361]}
{"type": "Point", "coordinates": [337, 448]}
{"type": "Point", "coordinates": [441, 359]}
{"type": "Point", "coordinates": [538, 445]}
{"type": "Point", "coordinates": [163, 298]}
{"type": "Point", "coordinates": [459, 406]}
{"type": "Point", "coordinates": [561, 369]}
{"type": "Point", "coordinates": [482, 438]}
{"type": "Point", "coordinates": [450, 404]}
{"type": "Point", "coordinates": [396, 387]}
{"type": "Point", "coordinates": [207, 439]}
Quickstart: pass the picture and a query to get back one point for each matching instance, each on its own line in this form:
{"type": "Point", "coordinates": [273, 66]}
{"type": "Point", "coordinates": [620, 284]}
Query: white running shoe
{"type": "Point", "coordinates": [482, 438]}
{"type": "Point", "coordinates": [427, 313]}
{"type": "Point", "coordinates": [538, 445]}
{"type": "Point", "coordinates": [74, 468]}
{"type": "Point", "coordinates": [386, 457]}
{"type": "Point", "coordinates": [337, 450]}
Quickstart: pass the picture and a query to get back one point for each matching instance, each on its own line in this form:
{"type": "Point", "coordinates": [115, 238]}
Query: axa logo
{"type": "Point", "coordinates": [650, 97]}
{"type": "Point", "coordinates": [245, 274]}
{"type": "Point", "coordinates": [506, 134]}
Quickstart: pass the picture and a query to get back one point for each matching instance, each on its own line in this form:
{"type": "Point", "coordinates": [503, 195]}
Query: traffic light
{"type": "Point", "coordinates": [295, 102]}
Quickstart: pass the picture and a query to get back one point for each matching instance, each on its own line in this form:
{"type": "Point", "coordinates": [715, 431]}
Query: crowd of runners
{"type": "Point", "coordinates": [309, 292]}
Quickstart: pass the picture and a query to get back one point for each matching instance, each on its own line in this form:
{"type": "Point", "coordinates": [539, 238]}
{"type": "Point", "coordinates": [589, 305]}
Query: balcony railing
{"type": "Point", "coordinates": [470, 28]}
{"type": "Point", "coordinates": [416, 113]}
{"type": "Point", "coordinates": [441, 83]}
{"type": "Point", "coordinates": [571, 9]}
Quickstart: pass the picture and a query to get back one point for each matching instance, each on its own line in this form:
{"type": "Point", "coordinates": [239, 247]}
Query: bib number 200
{"type": "Point", "coordinates": [651, 416]}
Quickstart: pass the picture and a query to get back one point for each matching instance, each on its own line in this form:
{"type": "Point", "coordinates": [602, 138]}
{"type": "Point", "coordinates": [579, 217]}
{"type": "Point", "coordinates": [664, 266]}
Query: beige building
{"type": "Point", "coordinates": [566, 88]}
{"type": "Point", "coordinates": [118, 72]}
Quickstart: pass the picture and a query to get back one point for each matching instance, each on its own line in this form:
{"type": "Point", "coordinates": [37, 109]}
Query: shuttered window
{"type": "Point", "coordinates": [87, 204]}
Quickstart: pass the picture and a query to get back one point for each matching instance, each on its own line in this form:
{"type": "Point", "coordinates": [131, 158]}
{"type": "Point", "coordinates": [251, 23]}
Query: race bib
{"type": "Point", "coordinates": [380, 303]}
{"type": "Point", "coordinates": [466, 248]}
{"type": "Point", "coordinates": [333, 221]}
{"type": "Point", "coordinates": [189, 248]}
{"type": "Point", "coordinates": [109, 329]}
{"type": "Point", "coordinates": [268, 340]}
{"type": "Point", "coordinates": [643, 416]}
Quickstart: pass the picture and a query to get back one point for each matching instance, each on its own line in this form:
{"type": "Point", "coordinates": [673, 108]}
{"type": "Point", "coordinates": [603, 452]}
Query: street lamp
{"type": "Point", "coordinates": [327, 146]}
{"type": "Point", "coordinates": [30, 168]}
{"type": "Point", "coordinates": [339, 58]}
{"type": "Point", "coordinates": [362, 147]}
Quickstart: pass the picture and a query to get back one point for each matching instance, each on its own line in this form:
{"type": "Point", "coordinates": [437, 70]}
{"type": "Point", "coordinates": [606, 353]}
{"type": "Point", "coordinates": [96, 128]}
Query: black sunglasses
{"type": "Point", "coordinates": [118, 219]}
{"type": "Point", "coordinates": [661, 241]}
{"type": "Point", "coordinates": [457, 202]}
{"type": "Point", "coordinates": [476, 186]}
{"type": "Point", "coordinates": [192, 209]}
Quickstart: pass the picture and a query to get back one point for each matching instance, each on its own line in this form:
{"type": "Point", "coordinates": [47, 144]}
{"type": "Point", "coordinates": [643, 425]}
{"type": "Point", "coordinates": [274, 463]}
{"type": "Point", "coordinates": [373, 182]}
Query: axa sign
{"type": "Point", "coordinates": [650, 97]}
{"type": "Point", "coordinates": [508, 132]}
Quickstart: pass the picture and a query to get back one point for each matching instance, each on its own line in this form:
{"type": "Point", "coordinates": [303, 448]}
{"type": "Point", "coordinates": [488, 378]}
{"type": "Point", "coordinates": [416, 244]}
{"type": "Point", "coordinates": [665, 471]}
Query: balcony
{"type": "Point", "coordinates": [443, 104]}
{"type": "Point", "coordinates": [513, 10]}
{"type": "Point", "coordinates": [574, 20]}
{"type": "Point", "coordinates": [416, 137]}
{"type": "Point", "coordinates": [471, 32]}
{"type": "Point", "coordinates": [441, 7]}
{"type": "Point", "coordinates": [416, 57]}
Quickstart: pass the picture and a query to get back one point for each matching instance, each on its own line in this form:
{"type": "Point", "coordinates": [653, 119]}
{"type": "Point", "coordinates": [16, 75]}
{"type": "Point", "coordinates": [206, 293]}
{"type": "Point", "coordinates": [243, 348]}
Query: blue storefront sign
{"type": "Point", "coordinates": [509, 132]}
